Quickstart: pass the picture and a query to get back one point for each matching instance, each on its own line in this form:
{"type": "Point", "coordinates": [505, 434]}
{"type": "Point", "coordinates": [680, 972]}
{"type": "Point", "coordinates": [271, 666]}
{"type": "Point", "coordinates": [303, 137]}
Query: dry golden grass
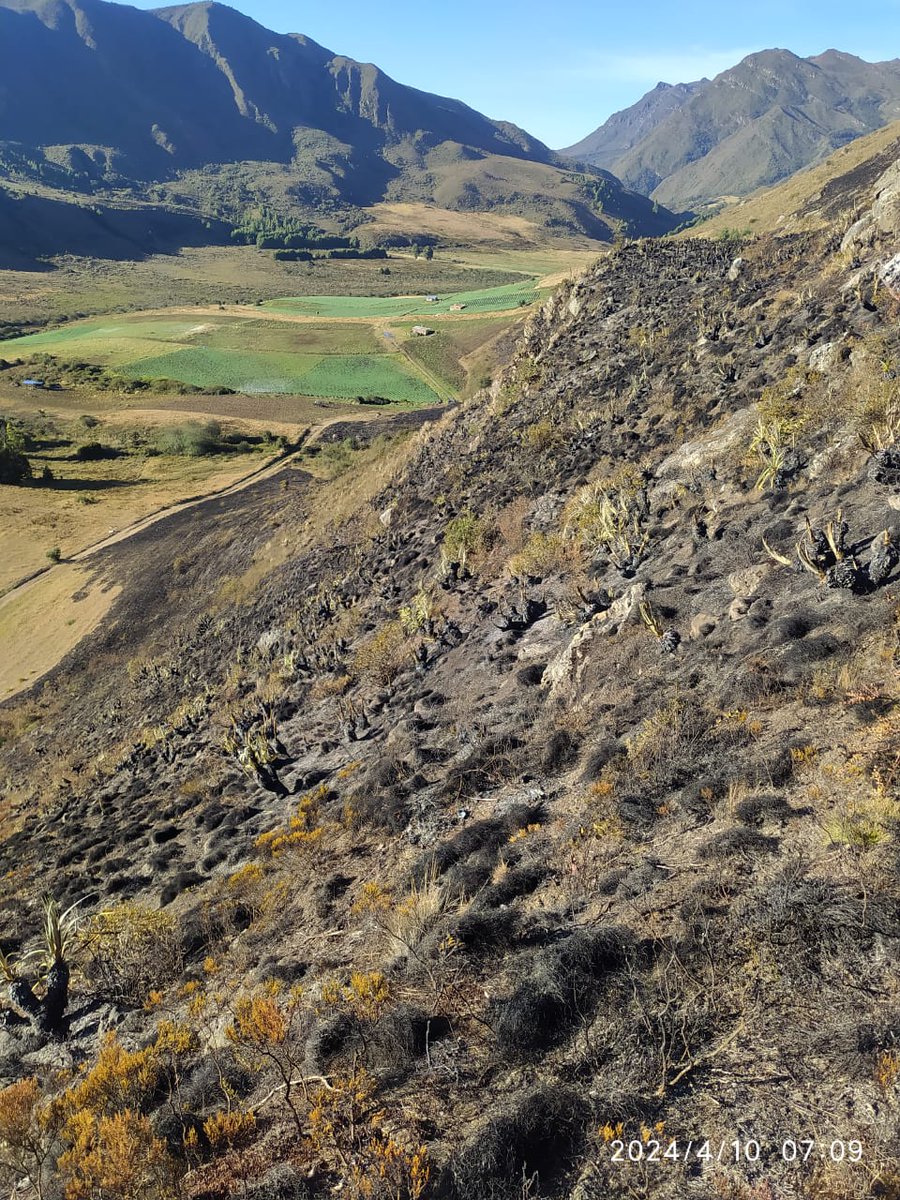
{"type": "Point", "coordinates": [112, 494]}
{"type": "Point", "coordinates": [43, 621]}
{"type": "Point", "coordinates": [466, 226]}
{"type": "Point", "coordinates": [776, 209]}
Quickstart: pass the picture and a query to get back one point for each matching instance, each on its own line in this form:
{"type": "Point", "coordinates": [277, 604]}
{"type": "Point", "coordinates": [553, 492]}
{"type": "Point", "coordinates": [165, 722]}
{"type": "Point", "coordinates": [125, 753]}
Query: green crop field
{"type": "Point", "coordinates": [238, 370]}
{"type": "Point", "coordinates": [342, 376]}
{"type": "Point", "coordinates": [360, 346]}
{"type": "Point", "coordinates": [499, 299]}
{"type": "Point", "coordinates": [346, 376]}
{"type": "Point", "coordinates": [338, 360]}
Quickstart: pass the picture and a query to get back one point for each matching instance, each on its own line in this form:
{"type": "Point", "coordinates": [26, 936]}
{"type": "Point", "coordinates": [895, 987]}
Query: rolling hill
{"type": "Point", "coordinates": [751, 126]}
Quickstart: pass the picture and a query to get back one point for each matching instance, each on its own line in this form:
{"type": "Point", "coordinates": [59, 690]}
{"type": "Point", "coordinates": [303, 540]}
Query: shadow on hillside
{"type": "Point", "coordinates": [33, 227]}
{"type": "Point", "coordinates": [86, 485]}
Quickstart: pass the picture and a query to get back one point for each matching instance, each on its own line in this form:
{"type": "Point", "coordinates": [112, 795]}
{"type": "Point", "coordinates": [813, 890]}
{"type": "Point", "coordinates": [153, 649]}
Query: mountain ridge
{"type": "Point", "coordinates": [751, 126]}
{"type": "Point", "coordinates": [84, 100]}
{"type": "Point", "coordinates": [626, 128]}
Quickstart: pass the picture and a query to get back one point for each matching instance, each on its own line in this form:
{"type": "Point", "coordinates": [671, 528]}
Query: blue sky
{"type": "Point", "coordinates": [560, 67]}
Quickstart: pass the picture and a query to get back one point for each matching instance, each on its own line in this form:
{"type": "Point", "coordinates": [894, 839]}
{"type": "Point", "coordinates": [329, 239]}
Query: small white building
{"type": "Point", "coordinates": [421, 331]}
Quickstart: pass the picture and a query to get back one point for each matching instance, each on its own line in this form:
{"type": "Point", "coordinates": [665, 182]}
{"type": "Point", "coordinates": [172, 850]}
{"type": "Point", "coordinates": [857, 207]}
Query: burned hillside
{"type": "Point", "coordinates": [545, 798]}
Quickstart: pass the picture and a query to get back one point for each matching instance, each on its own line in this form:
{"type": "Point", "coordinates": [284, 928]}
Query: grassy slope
{"type": "Point", "coordinates": [810, 199]}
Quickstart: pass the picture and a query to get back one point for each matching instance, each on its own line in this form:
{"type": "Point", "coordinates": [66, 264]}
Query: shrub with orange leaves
{"type": "Point", "coordinates": [119, 1079]}
{"type": "Point", "coordinates": [115, 1158]}
{"type": "Point", "coordinates": [25, 1135]}
{"type": "Point", "coordinates": [227, 1129]}
{"type": "Point", "coordinates": [265, 1028]}
{"type": "Point", "coordinates": [346, 1129]}
{"type": "Point", "coordinates": [263, 1019]}
{"type": "Point", "coordinates": [303, 830]}
{"type": "Point", "coordinates": [373, 899]}
{"type": "Point", "coordinates": [887, 1071]}
{"type": "Point", "coordinates": [366, 995]}
{"type": "Point", "coordinates": [363, 999]}
{"type": "Point", "coordinates": [111, 1152]}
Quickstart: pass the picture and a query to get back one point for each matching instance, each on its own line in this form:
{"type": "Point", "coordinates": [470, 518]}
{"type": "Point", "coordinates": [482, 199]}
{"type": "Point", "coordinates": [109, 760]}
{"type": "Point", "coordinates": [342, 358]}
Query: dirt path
{"type": "Point", "coordinates": [264, 472]}
{"type": "Point", "coordinates": [268, 468]}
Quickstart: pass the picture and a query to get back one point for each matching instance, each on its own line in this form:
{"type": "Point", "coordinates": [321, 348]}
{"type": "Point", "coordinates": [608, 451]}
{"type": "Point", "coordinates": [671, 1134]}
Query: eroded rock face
{"type": "Point", "coordinates": [882, 221]}
{"type": "Point", "coordinates": [825, 358]}
{"type": "Point", "coordinates": [705, 450]}
{"type": "Point", "coordinates": [890, 276]}
{"type": "Point", "coordinates": [564, 673]}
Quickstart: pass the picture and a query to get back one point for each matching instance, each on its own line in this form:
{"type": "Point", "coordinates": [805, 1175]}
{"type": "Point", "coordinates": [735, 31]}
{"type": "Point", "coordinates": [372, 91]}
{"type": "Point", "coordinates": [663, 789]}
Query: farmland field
{"type": "Point", "coordinates": [203, 276]}
{"type": "Point", "coordinates": [239, 353]}
{"type": "Point", "coordinates": [332, 347]}
{"type": "Point", "coordinates": [499, 299]}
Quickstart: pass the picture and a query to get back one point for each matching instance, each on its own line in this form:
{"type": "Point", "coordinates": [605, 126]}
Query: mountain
{"type": "Point", "coordinates": [104, 97]}
{"type": "Point", "coordinates": [517, 804]}
{"type": "Point", "coordinates": [627, 128]}
{"type": "Point", "coordinates": [751, 126]}
{"type": "Point", "coordinates": [185, 86]}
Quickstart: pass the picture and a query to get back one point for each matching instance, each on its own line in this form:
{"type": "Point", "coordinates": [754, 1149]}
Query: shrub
{"type": "Point", "coordinates": [542, 554]}
{"type": "Point", "coordinates": [25, 1136]}
{"type": "Point", "coordinates": [130, 949]}
{"type": "Point", "coordinates": [384, 655]}
{"type": "Point", "coordinates": [561, 989]}
{"type": "Point", "coordinates": [54, 554]}
{"type": "Point", "coordinates": [120, 1079]}
{"type": "Point", "coordinates": [337, 457]}
{"type": "Point", "coordinates": [534, 1136]}
{"type": "Point", "coordinates": [14, 467]}
{"type": "Point", "coordinates": [264, 1030]}
{"type": "Point", "coordinates": [303, 830]}
{"type": "Point", "coordinates": [346, 1130]}
{"type": "Point", "coordinates": [607, 517]}
{"type": "Point", "coordinates": [193, 439]}
{"type": "Point", "coordinates": [463, 537]}
{"type": "Point", "coordinates": [118, 1158]}
{"type": "Point", "coordinates": [228, 1128]}
{"type": "Point", "coordinates": [94, 452]}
